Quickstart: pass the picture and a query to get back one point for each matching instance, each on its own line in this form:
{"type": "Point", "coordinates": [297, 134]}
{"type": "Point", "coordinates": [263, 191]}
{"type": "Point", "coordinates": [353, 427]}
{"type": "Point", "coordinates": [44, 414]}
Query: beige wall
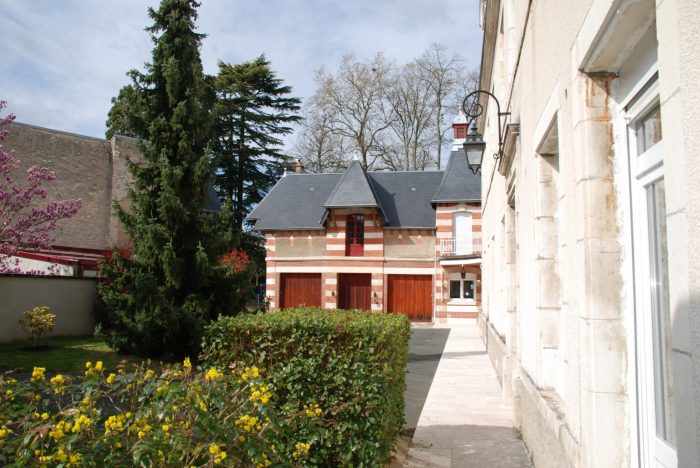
{"type": "Point", "coordinates": [300, 244]}
{"type": "Point", "coordinates": [557, 261]}
{"type": "Point", "coordinates": [408, 244]}
{"type": "Point", "coordinates": [71, 299]}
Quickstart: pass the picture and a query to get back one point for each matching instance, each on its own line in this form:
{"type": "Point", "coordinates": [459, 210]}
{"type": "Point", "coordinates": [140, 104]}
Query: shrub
{"type": "Point", "coordinates": [178, 417]}
{"type": "Point", "coordinates": [345, 369]}
{"type": "Point", "coordinates": [37, 322]}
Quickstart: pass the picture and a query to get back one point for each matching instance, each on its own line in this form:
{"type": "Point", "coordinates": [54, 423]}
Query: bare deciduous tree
{"type": "Point", "coordinates": [318, 147]}
{"type": "Point", "coordinates": [391, 118]}
{"type": "Point", "coordinates": [441, 74]}
{"type": "Point", "coordinates": [412, 105]}
{"type": "Point", "coordinates": [354, 99]}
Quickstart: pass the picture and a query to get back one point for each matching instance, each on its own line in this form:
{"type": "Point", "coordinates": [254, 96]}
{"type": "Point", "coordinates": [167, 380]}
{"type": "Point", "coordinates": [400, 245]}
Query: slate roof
{"type": "Point", "coordinates": [459, 184]}
{"type": "Point", "coordinates": [212, 204]}
{"type": "Point", "coordinates": [295, 202]}
{"type": "Point", "coordinates": [353, 190]}
{"type": "Point", "coordinates": [406, 199]}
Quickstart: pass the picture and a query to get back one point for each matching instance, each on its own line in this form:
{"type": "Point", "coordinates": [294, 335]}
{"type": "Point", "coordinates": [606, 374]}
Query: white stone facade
{"type": "Point", "coordinates": [591, 252]}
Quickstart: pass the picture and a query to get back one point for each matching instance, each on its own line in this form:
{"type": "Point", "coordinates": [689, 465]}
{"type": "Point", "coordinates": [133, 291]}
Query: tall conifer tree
{"type": "Point", "coordinates": [160, 298]}
{"type": "Point", "coordinates": [253, 110]}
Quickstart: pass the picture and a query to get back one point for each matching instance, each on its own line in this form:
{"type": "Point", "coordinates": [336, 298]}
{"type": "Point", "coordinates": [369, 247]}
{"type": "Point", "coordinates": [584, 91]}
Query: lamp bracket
{"type": "Point", "coordinates": [473, 109]}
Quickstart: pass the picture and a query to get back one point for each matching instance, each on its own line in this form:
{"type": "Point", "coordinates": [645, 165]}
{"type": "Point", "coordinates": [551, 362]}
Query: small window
{"type": "Point", "coordinates": [648, 130]}
{"type": "Point", "coordinates": [455, 287]}
{"type": "Point", "coordinates": [468, 290]}
{"type": "Point", "coordinates": [462, 289]}
{"type": "Point", "coordinates": [355, 235]}
{"type": "Point", "coordinates": [461, 132]}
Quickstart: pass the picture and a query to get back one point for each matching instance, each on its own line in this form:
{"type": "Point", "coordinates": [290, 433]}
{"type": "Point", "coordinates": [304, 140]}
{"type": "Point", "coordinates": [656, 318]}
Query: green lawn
{"type": "Point", "coordinates": [66, 354]}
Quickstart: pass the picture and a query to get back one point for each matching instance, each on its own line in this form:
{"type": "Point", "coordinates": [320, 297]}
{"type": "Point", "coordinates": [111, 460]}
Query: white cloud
{"type": "Point", "coordinates": [64, 61]}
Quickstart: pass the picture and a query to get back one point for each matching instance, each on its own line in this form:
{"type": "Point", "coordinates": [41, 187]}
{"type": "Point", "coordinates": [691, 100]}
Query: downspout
{"type": "Point", "coordinates": [435, 284]}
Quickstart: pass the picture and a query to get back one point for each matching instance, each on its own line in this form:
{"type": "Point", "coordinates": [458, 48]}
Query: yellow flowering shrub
{"type": "Point", "coordinates": [176, 417]}
{"type": "Point", "coordinates": [37, 322]}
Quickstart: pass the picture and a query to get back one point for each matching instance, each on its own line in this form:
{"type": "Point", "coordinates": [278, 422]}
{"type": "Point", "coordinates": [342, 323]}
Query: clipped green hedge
{"type": "Point", "coordinates": [348, 367]}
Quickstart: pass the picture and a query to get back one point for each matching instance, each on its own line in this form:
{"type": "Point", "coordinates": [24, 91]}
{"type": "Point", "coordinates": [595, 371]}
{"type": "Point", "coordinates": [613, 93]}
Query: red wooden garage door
{"type": "Point", "coordinates": [354, 291]}
{"type": "Point", "coordinates": [411, 295]}
{"type": "Point", "coordinates": [300, 288]}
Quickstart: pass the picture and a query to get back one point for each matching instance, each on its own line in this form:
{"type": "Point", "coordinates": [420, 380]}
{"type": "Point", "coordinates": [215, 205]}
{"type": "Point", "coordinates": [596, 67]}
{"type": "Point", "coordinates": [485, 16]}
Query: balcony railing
{"type": "Point", "coordinates": [460, 246]}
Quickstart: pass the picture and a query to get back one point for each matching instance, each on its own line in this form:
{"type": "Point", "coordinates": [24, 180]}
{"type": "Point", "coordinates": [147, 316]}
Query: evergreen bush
{"type": "Point", "coordinates": [346, 368]}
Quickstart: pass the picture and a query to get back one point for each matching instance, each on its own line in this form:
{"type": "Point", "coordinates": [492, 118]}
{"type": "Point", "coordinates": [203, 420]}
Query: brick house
{"type": "Point", "coordinates": [404, 242]}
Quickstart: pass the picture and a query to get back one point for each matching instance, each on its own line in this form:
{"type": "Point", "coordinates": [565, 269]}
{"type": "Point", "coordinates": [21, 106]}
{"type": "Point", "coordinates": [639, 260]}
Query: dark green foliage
{"type": "Point", "coordinates": [352, 364]}
{"type": "Point", "coordinates": [160, 298]}
{"type": "Point", "coordinates": [251, 113]}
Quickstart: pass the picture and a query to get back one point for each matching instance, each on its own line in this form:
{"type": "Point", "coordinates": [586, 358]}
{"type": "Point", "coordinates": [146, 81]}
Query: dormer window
{"type": "Point", "coordinates": [355, 235]}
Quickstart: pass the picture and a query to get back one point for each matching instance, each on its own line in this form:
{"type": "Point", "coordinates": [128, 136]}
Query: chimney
{"type": "Point", "coordinates": [299, 168]}
{"type": "Point", "coordinates": [459, 125]}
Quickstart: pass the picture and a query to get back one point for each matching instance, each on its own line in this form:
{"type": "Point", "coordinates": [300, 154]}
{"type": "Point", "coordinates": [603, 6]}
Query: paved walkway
{"type": "Point", "coordinates": [463, 422]}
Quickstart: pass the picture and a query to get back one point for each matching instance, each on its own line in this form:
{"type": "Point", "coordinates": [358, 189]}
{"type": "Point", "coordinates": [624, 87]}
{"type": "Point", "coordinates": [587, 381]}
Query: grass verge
{"type": "Point", "coordinates": [60, 354]}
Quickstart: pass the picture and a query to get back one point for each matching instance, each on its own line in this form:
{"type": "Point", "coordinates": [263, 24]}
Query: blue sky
{"type": "Point", "coordinates": [63, 61]}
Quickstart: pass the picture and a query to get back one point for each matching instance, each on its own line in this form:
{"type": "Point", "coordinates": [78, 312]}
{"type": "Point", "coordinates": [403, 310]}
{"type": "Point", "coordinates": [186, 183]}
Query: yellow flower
{"type": "Point", "coordinates": [149, 374]}
{"type": "Point", "coordinates": [44, 416]}
{"type": "Point", "coordinates": [312, 410]}
{"type": "Point", "coordinates": [60, 456]}
{"type": "Point", "coordinates": [202, 405]}
{"type": "Point", "coordinates": [187, 365]}
{"type": "Point", "coordinates": [212, 374]}
{"type": "Point", "coordinates": [110, 378]}
{"type": "Point", "coordinates": [81, 423]}
{"type": "Point", "coordinates": [4, 432]}
{"type": "Point", "coordinates": [114, 424]}
{"type": "Point", "coordinates": [165, 427]}
{"type": "Point", "coordinates": [8, 392]}
{"type": "Point", "coordinates": [75, 459]}
{"type": "Point", "coordinates": [259, 393]}
{"type": "Point", "coordinates": [60, 429]}
{"type": "Point", "coordinates": [96, 370]}
{"type": "Point", "coordinates": [217, 454]}
{"type": "Point", "coordinates": [38, 374]}
{"type": "Point", "coordinates": [265, 462]}
{"type": "Point", "coordinates": [250, 373]}
{"type": "Point", "coordinates": [248, 423]}
{"type": "Point", "coordinates": [301, 449]}
{"type": "Point", "coordinates": [57, 381]}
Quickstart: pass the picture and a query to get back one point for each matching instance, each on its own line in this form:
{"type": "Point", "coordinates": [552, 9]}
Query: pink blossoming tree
{"type": "Point", "coordinates": [23, 223]}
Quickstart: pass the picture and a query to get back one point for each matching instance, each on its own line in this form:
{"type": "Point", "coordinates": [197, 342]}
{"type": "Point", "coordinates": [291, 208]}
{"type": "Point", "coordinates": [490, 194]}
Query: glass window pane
{"type": "Point", "coordinates": [454, 289]}
{"type": "Point", "coordinates": [661, 319]}
{"type": "Point", "coordinates": [469, 290]}
{"type": "Point", "coordinates": [648, 130]}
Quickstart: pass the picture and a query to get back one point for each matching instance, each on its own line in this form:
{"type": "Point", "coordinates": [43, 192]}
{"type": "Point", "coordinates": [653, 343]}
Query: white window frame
{"type": "Point", "coordinates": [644, 170]}
{"type": "Point", "coordinates": [461, 300]}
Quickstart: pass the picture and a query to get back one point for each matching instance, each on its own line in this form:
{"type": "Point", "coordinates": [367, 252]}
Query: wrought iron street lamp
{"type": "Point", "coordinates": [474, 144]}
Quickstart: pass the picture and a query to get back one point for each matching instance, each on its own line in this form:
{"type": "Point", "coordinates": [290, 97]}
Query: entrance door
{"type": "Point", "coordinates": [298, 289]}
{"type": "Point", "coordinates": [411, 295]}
{"type": "Point", "coordinates": [354, 291]}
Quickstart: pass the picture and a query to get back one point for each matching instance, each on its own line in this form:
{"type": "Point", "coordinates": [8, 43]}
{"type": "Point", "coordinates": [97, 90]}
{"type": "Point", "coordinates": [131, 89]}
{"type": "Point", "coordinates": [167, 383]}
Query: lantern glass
{"type": "Point", "coordinates": [474, 148]}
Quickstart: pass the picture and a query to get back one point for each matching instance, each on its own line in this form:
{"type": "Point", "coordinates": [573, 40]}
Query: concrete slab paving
{"type": "Point", "coordinates": [463, 422]}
